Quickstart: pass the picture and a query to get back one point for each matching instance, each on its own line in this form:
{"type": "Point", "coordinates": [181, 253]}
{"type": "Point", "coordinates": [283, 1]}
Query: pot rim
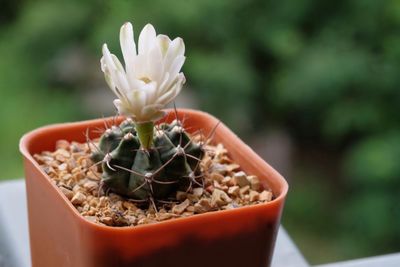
{"type": "Point", "coordinates": [26, 139]}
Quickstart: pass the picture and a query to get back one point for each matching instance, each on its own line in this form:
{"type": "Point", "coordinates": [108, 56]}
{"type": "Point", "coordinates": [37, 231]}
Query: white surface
{"type": "Point", "coordinates": [14, 237]}
{"type": "Point", "coordinates": [391, 260]}
{"type": "Point", "coordinates": [286, 253]}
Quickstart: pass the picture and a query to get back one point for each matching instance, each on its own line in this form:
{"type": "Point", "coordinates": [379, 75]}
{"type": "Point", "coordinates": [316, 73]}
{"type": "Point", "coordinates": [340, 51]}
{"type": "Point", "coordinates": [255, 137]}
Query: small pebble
{"type": "Point", "coordinates": [198, 191]}
{"type": "Point", "coordinates": [255, 183]}
{"type": "Point", "coordinates": [68, 193]}
{"type": "Point", "coordinates": [232, 167]}
{"type": "Point", "coordinates": [179, 208]}
{"type": "Point", "coordinates": [219, 198]}
{"type": "Point", "coordinates": [254, 196]}
{"type": "Point", "coordinates": [62, 144]}
{"type": "Point", "coordinates": [265, 196]}
{"type": "Point", "coordinates": [63, 152]}
{"type": "Point", "coordinates": [244, 190]}
{"type": "Point", "coordinates": [62, 167]}
{"type": "Point", "coordinates": [234, 190]}
{"type": "Point", "coordinates": [217, 177]}
{"type": "Point", "coordinates": [91, 185]}
{"type": "Point", "coordinates": [241, 179]}
{"type": "Point", "coordinates": [91, 218]}
{"type": "Point", "coordinates": [165, 216]}
{"type": "Point", "coordinates": [202, 206]}
{"type": "Point", "coordinates": [181, 196]}
{"type": "Point", "coordinates": [78, 198]}
{"type": "Point", "coordinates": [129, 206]}
{"type": "Point", "coordinates": [226, 180]}
{"type": "Point", "coordinates": [107, 220]}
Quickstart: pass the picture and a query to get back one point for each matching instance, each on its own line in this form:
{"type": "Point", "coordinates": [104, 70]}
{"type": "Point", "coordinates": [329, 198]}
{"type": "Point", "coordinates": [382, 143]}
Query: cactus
{"type": "Point", "coordinates": [156, 171]}
{"type": "Point", "coordinates": [139, 160]}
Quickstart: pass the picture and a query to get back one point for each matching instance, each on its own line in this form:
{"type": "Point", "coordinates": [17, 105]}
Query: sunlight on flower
{"type": "Point", "coordinates": [151, 78]}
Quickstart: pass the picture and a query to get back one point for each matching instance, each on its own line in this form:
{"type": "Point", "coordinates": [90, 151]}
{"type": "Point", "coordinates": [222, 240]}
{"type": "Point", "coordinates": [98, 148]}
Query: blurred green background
{"type": "Point", "coordinates": [313, 86]}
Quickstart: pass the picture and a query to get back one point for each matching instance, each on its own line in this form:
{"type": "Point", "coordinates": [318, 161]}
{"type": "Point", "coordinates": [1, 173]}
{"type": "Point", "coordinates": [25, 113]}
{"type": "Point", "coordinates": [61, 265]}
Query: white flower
{"type": "Point", "coordinates": [151, 77]}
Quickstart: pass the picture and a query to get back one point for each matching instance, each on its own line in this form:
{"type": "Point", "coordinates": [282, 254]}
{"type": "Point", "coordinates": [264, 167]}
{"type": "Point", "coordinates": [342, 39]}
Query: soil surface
{"type": "Point", "coordinates": [226, 186]}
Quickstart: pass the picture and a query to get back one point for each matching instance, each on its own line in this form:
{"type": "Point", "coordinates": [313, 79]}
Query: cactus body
{"type": "Point", "coordinates": [157, 173]}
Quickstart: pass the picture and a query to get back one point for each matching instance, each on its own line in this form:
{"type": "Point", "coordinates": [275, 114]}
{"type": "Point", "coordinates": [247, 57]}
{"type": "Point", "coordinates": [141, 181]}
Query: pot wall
{"type": "Point", "coordinates": [60, 236]}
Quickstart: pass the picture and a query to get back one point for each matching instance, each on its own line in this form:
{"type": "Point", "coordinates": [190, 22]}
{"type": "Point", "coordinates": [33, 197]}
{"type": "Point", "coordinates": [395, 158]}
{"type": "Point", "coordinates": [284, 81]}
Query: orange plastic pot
{"type": "Point", "coordinates": [60, 236]}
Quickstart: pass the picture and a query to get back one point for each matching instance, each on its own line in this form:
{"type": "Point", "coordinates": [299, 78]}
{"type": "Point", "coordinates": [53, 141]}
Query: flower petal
{"type": "Point", "coordinates": [155, 66]}
{"type": "Point", "coordinates": [109, 69]}
{"type": "Point", "coordinates": [163, 86]}
{"type": "Point", "coordinates": [107, 58]}
{"type": "Point", "coordinates": [122, 108]}
{"type": "Point", "coordinates": [152, 112]}
{"type": "Point", "coordinates": [174, 73]}
{"type": "Point", "coordinates": [140, 65]}
{"type": "Point", "coordinates": [163, 42]}
{"type": "Point", "coordinates": [176, 48]}
{"type": "Point", "coordinates": [173, 91]}
{"type": "Point", "coordinates": [128, 45]}
{"type": "Point", "coordinates": [150, 90]}
{"type": "Point", "coordinates": [147, 39]}
{"type": "Point", "coordinates": [117, 63]}
{"type": "Point", "coordinates": [103, 65]}
{"type": "Point", "coordinates": [176, 65]}
{"type": "Point", "coordinates": [137, 100]}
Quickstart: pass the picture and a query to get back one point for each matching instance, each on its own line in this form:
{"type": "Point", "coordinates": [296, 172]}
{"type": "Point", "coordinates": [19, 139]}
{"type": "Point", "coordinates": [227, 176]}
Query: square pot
{"type": "Point", "coordinates": [60, 236]}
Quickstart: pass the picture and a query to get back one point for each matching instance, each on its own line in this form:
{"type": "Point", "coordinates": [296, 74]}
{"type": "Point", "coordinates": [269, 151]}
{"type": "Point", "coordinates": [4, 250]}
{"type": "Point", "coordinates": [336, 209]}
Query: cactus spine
{"type": "Point", "coordinates": [144, 162]}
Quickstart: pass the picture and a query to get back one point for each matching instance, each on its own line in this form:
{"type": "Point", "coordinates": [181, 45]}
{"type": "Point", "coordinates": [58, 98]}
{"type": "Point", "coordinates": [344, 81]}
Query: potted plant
{"type": "Point", "coordinates": [147, 190]}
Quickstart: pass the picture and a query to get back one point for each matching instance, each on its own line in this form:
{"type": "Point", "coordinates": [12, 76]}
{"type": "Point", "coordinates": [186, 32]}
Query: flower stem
{"type": "Point", "coordinates": [145, 133]}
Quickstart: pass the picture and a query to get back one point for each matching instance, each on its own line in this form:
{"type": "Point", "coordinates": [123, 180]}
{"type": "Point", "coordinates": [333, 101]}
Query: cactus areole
{"type": "Point", "coordinates": [139, 160]}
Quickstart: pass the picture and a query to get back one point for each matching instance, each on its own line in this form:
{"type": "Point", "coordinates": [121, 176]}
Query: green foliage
{"type": "Point", "coordinates": [372, 163]}
{"type": "Point", "coordinates": [157, 173]}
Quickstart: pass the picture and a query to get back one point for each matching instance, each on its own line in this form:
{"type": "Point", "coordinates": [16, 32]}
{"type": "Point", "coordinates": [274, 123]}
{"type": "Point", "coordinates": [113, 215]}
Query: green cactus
{"type": "Point", "coordinates": [154, 171]}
